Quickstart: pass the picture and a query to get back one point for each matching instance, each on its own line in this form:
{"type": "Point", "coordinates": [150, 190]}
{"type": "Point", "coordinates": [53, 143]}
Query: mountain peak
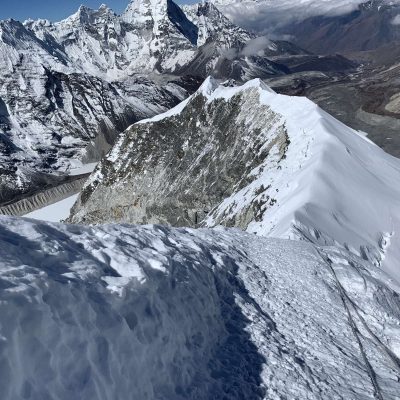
{"type": "Point", "coordinates": [87, 15]}
{"type": "Point", "coordinates": [141, 11]}
{"type": "Point", "coordinates": [160, 15]}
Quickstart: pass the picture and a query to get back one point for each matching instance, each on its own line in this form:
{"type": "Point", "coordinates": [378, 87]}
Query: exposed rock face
{"type": "Point", "coordinates": [175, 170]}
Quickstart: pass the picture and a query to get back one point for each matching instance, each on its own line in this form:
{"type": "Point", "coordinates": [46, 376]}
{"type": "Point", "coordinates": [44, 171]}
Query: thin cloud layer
{"type": "Point", "coordinates": [254, 47]}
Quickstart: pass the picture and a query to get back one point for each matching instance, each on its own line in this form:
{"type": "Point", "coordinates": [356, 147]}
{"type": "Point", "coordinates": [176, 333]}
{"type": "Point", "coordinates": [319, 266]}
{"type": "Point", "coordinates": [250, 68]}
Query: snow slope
{"type": "Point", "coordinates": [290, 171]}
{"type": "Point", "coordinates": [126, 312]}
{"type": "Point", "coordinates": [333, 186]}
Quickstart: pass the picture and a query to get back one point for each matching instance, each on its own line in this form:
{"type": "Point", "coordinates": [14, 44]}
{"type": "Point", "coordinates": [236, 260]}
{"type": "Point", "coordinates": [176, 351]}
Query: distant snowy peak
{"type": "Point", "coordinates": [159, 16]}
{"type": "Point", "coordinates": [143, 11]}
{"type": "Point", "coordinates": [213, 25]}
{"type": "Point", "coordinates": [86, 15]}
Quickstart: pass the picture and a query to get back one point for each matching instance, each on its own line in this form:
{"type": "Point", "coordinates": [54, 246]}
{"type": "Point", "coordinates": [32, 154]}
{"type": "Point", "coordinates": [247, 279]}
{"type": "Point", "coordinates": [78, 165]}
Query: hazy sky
{"type": "Point", "coordinates": [57, 9]}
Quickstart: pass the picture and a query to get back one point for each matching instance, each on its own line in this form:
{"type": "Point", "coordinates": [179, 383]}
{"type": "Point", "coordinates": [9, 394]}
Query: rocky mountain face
{"type": "Point", "coordinates": [247, 157]}
{"type": "Point", "coordinates": [197, 165]}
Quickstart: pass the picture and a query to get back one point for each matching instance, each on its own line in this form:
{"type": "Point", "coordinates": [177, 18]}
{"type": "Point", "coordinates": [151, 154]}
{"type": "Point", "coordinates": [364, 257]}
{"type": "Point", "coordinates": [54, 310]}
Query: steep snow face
{"type": "Point", "coordinates": [162, 29]}
{"type": "Point", "coordinates": [245, 156]}
{"type": "Point", "coordinates": [118, 312]}
{"type": "Point", "coordinates": [146, 11]}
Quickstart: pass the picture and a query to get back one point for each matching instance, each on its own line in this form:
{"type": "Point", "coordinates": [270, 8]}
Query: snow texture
{"type": "Point", "coordinates": [125, 312]}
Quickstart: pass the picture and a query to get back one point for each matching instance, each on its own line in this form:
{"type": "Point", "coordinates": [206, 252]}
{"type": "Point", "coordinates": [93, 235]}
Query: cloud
{"type": "Point", "coordinates": [256, 46]}
{"type": "Point", "coordinates": [396, 20]}
{"type": "Point", "coordinates": [253, 47]}
{"type": "Point", "coordinates": [268, 15]}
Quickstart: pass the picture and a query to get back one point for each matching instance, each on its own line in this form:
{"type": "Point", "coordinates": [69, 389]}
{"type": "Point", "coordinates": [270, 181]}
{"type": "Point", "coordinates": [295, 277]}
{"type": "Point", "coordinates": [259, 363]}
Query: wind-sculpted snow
{"type": "Point", "coordinates": [127, 312]}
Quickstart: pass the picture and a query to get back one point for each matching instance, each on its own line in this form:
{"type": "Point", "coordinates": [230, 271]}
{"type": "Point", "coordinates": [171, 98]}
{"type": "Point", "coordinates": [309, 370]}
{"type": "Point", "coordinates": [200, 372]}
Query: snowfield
{"type": "Point", "coordinates": [56, 212]}
{"type": "Point", "coordinates": [129, 312]}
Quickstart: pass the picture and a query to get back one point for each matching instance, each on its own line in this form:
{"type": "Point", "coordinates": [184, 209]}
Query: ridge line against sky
{"type": "Point", "coordinates": [56, 10]}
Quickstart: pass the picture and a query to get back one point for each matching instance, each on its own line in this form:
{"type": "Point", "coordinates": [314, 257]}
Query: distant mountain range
{"type": "Point", "coordinates": [322, 27]}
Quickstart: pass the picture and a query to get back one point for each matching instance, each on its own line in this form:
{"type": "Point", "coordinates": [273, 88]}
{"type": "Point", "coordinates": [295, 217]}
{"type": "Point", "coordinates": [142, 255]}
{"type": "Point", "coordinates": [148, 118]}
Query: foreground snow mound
{"type": "Point", "coordinates": [125, 312]}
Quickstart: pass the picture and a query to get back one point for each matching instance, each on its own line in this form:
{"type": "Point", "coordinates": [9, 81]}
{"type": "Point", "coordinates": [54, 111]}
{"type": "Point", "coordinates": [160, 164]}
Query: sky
{"type": "Point", "coordinates": [56, 10]}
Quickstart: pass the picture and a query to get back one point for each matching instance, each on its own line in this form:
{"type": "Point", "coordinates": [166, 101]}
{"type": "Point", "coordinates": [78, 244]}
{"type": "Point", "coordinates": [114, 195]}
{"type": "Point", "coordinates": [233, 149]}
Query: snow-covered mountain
{"type": "Point", "coordinates": [248, 157]}
{"type": "Point", "coordinates": [148, 36]}
{"type": "Point", "coordinates": [295, 296]}
{"type": "Point", "coordinates": [53, 112]}
{"type": "Point", "coordinates": [68, 88]}
{"type": "Point", "coordinates": [124, 312]}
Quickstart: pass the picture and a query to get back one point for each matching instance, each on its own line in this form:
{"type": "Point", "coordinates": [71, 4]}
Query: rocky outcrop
{"type": "Point", "coordinates": [175, 170]}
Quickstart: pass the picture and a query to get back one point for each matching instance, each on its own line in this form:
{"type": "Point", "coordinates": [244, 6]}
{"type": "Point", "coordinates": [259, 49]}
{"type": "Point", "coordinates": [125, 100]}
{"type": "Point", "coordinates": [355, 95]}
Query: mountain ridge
{"type": "Point", "coordinates": [277, 179]}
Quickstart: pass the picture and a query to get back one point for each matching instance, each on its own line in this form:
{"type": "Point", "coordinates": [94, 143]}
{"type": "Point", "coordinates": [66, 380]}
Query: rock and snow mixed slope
{"type": "Point", "coordinates": [124, 312]}
{"type": "Point", "coordinates": [245, 156]}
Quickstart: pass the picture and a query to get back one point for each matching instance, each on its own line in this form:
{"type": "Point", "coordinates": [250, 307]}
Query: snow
{"type": "Point", "coordinates": [56, 212]}
{"type": "Point", "coordinates": [155, 312]}
{"type": "Point", "coordinates": [82, 169]}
